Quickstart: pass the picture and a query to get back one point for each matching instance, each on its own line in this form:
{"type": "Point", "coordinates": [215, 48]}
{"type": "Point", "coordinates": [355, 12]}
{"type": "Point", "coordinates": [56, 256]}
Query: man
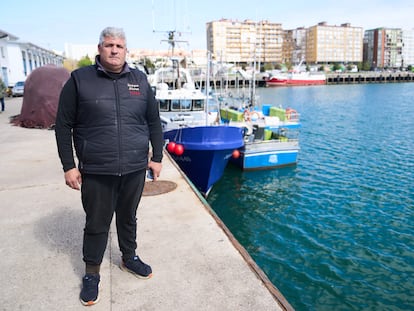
{"type": "Point", "coordinates": [110, 112]}
{"type": "Point", "coordinates": [3, 90]}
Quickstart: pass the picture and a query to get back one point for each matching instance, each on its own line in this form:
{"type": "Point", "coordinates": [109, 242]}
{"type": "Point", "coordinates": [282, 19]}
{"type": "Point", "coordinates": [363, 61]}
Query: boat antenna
{"type": "Point", "coordinates": [171, 34]}
{"type": "Point", "coordinates": [171, 38]}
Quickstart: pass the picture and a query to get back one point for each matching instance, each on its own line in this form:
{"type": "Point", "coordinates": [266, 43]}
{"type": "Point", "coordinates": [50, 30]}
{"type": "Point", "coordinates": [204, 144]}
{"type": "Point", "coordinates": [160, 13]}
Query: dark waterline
{"type": "Point", "coordinates": [335, 232]}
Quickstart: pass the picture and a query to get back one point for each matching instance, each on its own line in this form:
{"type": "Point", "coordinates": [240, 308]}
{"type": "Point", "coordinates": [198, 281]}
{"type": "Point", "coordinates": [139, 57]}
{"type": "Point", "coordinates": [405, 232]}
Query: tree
{"type": "Point", "coordinates": [336, 66]}
{"type": "Point", "coordinates": [278, 66]}
{"type": "Point", "coordinates": [268, 66]}
{"type": "Point", "coordinates": [85, 61]}
{"type": "Point", "coordinates": [288, 65]}
{"type": "Point", "coordinates": [365, 66]}
{"type": "Point", "coordinates": [149, 64]}
{"type": "Point", "coordinates": [69, 64]}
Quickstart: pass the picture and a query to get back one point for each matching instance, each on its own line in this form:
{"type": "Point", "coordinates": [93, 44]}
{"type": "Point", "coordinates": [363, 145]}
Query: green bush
{"type": "Point", "coordinates": [85, 61]}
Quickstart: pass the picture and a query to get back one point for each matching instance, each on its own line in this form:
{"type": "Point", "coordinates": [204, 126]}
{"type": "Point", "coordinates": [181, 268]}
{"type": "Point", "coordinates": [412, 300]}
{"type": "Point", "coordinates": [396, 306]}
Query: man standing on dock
{"type": "Point", "coordinates": [110, 113]}
{"type": "Point", "coordinates": [2, 94]}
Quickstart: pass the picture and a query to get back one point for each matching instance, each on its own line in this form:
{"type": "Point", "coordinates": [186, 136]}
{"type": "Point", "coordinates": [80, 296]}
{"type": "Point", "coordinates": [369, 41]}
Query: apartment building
{"type": "Point", "coordinates": [18, 58]}
{"type": "Point", "coordinates": [384, 47]}
{"type": "Point", "coordinates": [294, 45]}
{"type": "Point", "coordinates": [408, 47]}
{"type": "Point", "coordinates": [242, 42]}
{"type": "Point", "coordinates": [333, 44]}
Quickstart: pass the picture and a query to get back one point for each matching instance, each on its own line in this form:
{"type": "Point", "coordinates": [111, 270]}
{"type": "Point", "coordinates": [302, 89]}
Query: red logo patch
{"type": "Point", "coordinates": [134, 89]}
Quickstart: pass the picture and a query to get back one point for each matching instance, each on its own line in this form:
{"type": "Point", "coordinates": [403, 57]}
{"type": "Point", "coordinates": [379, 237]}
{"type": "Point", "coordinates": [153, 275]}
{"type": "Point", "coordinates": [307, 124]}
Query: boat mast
{"type": "Point", "coordinates": [207, 85]}
{"type": "Point", "coordinates": [253, 87]}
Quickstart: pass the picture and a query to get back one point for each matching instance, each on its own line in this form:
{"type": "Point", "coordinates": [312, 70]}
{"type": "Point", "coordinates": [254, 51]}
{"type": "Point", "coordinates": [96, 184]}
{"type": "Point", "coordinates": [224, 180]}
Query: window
{"type": "Point", "coordinates": [198, 104]}
{"type": "Point", "coordinates": [186, 104]}
{"type": "Point", "coordinates": [164, 105]}
{"type": "Point", "coordinates": [175, 104]}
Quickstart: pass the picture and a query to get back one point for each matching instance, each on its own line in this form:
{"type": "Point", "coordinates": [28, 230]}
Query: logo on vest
{"type": "Point", "coordinates": [134, 89]}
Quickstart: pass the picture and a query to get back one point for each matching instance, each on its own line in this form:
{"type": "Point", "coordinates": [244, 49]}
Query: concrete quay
{"type": "Point", "coordinates": [197, 263]}
{"type": "Point", "coordinates": [369, 77]}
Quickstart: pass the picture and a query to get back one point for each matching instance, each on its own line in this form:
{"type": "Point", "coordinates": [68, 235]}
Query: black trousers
{"type": "Point", "coordinates": [102, 196]}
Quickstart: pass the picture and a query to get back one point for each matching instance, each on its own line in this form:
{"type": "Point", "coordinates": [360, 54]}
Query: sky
{"type": "Point", "coordinates": [50, 23]}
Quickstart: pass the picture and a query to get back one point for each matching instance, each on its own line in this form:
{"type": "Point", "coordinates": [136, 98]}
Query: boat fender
{"type": "Point", "coordinates": [291, 114]}
{"type": "Point", "coordinates": [246, 115]}
{"type": "Point", "coordinates": [254, 116]}
{"type": "Point", "coordinates": [251, 115]}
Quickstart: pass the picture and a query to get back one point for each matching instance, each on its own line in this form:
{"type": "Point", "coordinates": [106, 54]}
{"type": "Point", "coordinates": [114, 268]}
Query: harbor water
{"type": "Point", "coordinates": [336, 231]}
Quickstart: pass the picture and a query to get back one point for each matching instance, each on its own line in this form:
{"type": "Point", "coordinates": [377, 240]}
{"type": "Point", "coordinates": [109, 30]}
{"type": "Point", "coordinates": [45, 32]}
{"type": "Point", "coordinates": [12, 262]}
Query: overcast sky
{"type": "Point", "coordinates": [51, 24]}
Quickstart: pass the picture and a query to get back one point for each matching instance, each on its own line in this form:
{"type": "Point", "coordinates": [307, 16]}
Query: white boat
{"type": "Point", "coordinates": [181, 103]}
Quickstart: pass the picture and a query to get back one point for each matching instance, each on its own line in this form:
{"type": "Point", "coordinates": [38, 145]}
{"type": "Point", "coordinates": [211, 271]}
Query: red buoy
{"type": "Point", "coordinates": [236, 154]}
{"type": "Point", "coordinates": [179, 149]}
{"type": "Point", "coordinates": [171, 147]}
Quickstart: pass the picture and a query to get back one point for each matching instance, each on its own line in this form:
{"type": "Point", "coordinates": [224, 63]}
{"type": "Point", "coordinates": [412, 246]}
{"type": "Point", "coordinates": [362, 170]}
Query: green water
{"type": "Point", "coordinates": [335, 232]}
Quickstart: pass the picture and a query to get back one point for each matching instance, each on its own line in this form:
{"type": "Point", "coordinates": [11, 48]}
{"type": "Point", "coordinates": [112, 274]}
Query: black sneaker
{"type": "Point", "coordinates": [137, 267]}
{"type": "Point", "coordinates": [90, 292]}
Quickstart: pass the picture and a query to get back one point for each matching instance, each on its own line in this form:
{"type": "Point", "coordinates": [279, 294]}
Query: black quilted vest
{"type": "Point", "coordinates": [111, 134]}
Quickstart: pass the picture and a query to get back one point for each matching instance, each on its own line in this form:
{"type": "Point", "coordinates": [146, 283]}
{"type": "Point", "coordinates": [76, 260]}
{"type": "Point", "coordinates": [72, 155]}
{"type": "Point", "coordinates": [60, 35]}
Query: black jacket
{"type": "Point", "coordinates": [111, 118]}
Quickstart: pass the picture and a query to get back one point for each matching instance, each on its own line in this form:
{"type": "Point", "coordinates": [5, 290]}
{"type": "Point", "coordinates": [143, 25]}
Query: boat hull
{"type": "Point", "coordinates": [267, 155]}
{"type": "Point", "coordinates": [207, 150]}
{"type": "Point", "coordinates": [294, 82]}
{"type": "Point", "coordinates": [298, 79]}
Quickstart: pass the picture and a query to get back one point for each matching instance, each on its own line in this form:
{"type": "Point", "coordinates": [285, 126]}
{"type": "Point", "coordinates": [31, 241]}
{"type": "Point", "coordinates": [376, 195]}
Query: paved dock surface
{"type": "Point", "coordinates": [196, 263]}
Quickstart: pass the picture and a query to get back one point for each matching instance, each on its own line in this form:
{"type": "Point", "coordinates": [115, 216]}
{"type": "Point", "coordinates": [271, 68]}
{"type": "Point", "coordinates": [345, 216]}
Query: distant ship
{"type": "Point", "coordinates": [296, 78]}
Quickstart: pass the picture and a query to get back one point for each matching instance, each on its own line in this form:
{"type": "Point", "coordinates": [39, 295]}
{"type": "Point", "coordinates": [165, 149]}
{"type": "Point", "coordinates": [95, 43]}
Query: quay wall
{"type": "Point", "coordinates": [369, 77]}
{"type": "Point", "coordinates": [331, 78]}
{"type": "Point", "coordinates": [231, 83]}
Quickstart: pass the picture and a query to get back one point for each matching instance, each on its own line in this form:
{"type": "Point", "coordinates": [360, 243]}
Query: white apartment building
{"type": "Point", "coordinates": [18, 59]}
{"type": "Point", "coordinates": [408, 47]}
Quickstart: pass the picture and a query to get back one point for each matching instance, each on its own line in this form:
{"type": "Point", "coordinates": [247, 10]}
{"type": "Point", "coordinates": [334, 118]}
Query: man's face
{"type": "Point", "coordinates": [112, 54]}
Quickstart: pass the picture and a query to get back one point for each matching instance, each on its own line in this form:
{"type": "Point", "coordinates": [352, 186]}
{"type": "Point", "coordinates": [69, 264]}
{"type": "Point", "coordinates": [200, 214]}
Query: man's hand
{"type": "Point", "coordinates": [156, 169]}
{"type": "Point", "coordinates": [73, 178]}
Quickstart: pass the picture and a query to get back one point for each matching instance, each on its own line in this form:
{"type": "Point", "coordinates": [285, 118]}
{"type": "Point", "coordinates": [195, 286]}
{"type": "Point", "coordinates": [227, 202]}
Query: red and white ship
{"type": "Point", "coordinates": [296, 78]}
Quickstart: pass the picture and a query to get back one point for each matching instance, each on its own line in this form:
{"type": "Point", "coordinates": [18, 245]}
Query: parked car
{"type": "Point", "coordinates": [18, 89]}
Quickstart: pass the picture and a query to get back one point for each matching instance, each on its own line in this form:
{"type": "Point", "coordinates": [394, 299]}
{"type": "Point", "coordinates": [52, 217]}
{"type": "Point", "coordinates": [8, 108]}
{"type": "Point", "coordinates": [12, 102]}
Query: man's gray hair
{"type": "Point", "coordinates": [112, 32]}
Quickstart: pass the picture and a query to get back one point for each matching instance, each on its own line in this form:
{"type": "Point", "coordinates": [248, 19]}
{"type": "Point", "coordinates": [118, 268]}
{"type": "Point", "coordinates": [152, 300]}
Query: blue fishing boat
{"type": "Point", "coordinates": [271, 135]}
{"type": "Point", "coordinates": [194, 135]}
{"type": "Point", "coordinates": [273, 151]}
{"type": "Point", "coordinates": [203, 152]}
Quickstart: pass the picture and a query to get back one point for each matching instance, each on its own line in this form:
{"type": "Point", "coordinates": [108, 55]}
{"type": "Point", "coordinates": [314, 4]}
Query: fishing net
{"type": "Point", "coordinates": [41, 96]}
